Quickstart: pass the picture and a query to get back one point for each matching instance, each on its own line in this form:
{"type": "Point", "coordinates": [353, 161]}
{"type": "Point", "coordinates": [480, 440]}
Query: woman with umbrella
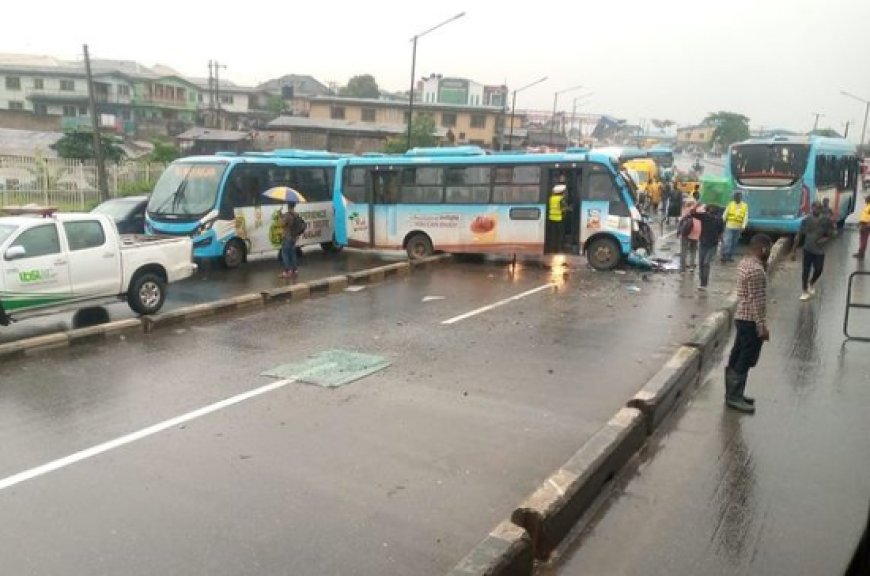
{"type": "Point", "coordinates": [292, 224]}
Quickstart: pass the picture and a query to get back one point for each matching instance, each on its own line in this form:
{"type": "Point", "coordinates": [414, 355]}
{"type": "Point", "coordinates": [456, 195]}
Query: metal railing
{"type": "Point", "coordinates": [850, 305]}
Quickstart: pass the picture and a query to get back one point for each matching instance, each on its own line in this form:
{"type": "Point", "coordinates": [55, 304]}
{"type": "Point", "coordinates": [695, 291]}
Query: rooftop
{"type": "Point", "coordinates": [375, 102]}
{"type": "Point", "coordinates": [287, 122]}
{"type": "Point", "coordinates": [211, 135]}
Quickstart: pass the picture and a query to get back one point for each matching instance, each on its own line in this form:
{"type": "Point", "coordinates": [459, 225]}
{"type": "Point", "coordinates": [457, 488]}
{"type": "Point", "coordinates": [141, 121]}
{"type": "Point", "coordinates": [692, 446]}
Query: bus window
{"type": "Point", "coordinates": [769, 164]}
{"type": "Point", "coordinates": [601, 187]}
{"type": "Point", "coordinates": [313, 183]}
{"type": "Point", "coordinates": [245, 187]}
{"type": "Point", "coordinates": [355, 184]}
{"type": "Point", "coordinates": [385, 186]}
{"type": "Point", "coordinates": [469, 185]}
{"type": "Point", "coordinates": [516, 185]}
{"type": "Point", "coordinates": [422, 185]}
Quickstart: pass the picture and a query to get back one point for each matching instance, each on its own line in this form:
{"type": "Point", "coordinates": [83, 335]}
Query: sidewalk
{"type": "Point", "coordinates": [782, 492]}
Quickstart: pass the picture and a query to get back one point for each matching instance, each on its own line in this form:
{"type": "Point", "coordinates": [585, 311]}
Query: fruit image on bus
{"type": "Point", "coordinates": [464, 200]}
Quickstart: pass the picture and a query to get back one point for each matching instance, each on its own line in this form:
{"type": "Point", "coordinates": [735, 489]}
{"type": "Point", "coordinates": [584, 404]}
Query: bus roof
{"type": "Point", "coordinates": [317, 159]}
{"type": "Point", "coordinates": [621, 153]}
{"type": "Point", "coordinates": [485, 159]}
{"type": "Point", "coordinates": [819, 142]}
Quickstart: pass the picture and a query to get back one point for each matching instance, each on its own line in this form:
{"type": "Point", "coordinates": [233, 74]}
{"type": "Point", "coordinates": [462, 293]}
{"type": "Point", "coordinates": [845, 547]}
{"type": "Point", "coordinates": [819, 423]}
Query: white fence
{"type": "Point", "coordinates": [69, 184]}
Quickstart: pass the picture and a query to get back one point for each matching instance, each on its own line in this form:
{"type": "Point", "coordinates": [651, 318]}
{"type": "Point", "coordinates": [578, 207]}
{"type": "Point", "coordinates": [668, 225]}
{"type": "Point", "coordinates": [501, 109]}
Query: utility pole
{"type": "Point", "coordinates": [816, 123]}
{"type": "Point", "coordinates": [217, 90]}
{"type": "Point", "coordinates": [102, 183]}
{"type": "Point", "coordinates": [846, 133]}
{"type": "Point", "coordinates": [210, 94]}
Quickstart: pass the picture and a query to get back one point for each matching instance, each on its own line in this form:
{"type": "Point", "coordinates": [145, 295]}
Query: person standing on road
{"type": "Point", "coordinates": [557, 207]}
{"type": "Point", "coordinates": [690, 232]}
{"type": "Point", "coordinates": [708, 241]}
{"type": "Point", "coordinates": [736, 219]}
{"type": "Point", "coordinates": [816, 230]}
{"type": "Point", "coordinates": [750, 321]}
{"type": "Point", "coordinates": [655, 194]}
{"type": "Point", "coordinates": [293, 226]}
{"type": "Point", "coordinates": [864, 228]}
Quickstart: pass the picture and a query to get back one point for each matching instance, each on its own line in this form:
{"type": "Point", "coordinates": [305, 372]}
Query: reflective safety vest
{"type": "Point", "coordinates": [556, 208]}
{"type": "Point", "coordinates": [735, 215]}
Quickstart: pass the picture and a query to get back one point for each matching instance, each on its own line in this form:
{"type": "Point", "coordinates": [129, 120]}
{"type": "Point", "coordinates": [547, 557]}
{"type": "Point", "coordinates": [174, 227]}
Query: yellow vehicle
{"type": "Point", "coordinates": [641, 170]}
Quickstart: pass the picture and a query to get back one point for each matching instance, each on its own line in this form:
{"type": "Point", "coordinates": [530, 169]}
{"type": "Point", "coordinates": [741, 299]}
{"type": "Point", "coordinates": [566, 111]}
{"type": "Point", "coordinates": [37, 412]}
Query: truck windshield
{"type": "Point", "coordinates": [771, 165]}
{"type": "Point", "coordinates": [186, 190]}
{"type": "Point", "coordinates": [6, 231]}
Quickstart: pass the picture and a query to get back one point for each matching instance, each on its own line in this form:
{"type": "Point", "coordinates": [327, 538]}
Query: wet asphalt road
{"type": "Point", "coordinates": [402, 472]}
{"type": "Point", "coordinates": [783, 492]}
{"type": "Point", "coordinates": [211, 282]}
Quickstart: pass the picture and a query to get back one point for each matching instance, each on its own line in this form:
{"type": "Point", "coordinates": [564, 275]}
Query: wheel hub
{"type": "Point", "coordinates": [149, 294]}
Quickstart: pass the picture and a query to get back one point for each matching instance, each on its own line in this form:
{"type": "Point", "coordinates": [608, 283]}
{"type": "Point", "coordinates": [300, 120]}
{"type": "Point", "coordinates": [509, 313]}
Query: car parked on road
{"type": "Point", "coordinates": [52, 262]}
{"type": "Point", "coordinates": [128, 213]}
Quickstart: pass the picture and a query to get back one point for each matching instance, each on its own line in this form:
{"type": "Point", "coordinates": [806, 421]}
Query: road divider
{"type": "Point", "coordinates": [506, 551]}
{"type": "Point", "coordinates": [551, 511]}
{"type": "Point", "coordinates": [150, 324]}
{"type": "Point", "coordinates": [711, 337]}
{"type": "Point", "coordinates": [659, 396]}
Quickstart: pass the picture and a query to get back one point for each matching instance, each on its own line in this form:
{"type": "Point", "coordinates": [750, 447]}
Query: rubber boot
{"type": "Point", "coordinates": [741, 389]}
{"type": "Point", "coordinates": [730, 383]}
{"type": "Point", "coordinates": [737, 401]}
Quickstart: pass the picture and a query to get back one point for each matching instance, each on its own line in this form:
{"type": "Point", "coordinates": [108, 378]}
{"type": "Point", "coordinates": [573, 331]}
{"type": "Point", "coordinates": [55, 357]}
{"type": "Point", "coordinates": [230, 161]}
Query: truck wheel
{"type": "Point", "coordinates": [234, 254]}
{"type": "Point", "coordinates": [603, 254]}
{"type": "Point", "coordinates": [419, 246]}
{"type": "Point", "coordinates": [146, 294]}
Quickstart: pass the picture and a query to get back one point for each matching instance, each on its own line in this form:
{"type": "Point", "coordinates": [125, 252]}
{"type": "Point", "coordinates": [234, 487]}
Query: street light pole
{"type": "Point", "coordinates": [514, 108]}
{"type": "Point", "coordinates": [555, 103]}
{"type": "Point", "coordinates": [866, 114]}
{"type": "Point", "coordinates": [414, 67]}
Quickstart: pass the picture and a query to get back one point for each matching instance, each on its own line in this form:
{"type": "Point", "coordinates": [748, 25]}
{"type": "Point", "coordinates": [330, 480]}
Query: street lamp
{"type": "Point", "coordinates": [514, 107]}
{"type": "Point", "coordinates": [414, 67]}
{"type": "Point", "coordinates": [574, 114]}
{"type": "Point", "coordinates": [555, 102]}
{"type": "Point", "coordinates": [866, 113]}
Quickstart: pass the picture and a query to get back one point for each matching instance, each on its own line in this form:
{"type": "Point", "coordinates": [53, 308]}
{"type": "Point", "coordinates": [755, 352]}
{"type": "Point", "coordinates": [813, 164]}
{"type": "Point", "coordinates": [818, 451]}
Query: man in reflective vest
{"type": "Point", "coordinates": [736, 218]}
{"type": "Point", "coordinates": [557, 207]}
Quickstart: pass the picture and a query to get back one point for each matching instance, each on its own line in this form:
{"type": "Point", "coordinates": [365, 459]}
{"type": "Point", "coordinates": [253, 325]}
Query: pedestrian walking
{"type": "Point", "coordinates": [690, 231]}
{"type": "Point", "coordinates": [654, 187]}
{"type": "Point", "coordinates": [557, 207]}
{"type": "Point", "coordinates": [863, 228]}
{"type": "Point", "coordinates": [815, 232]}
{"type": "Point", "coordinates": [827, 212]}
{"type": "Point", "coordinates": [750, 321]}
{"type": "Point", "coordinates": [293, 226]}
{"type": "Point", "coordinates": [711, 233]}
{"type": "Point", "coordinates": [736, 219]}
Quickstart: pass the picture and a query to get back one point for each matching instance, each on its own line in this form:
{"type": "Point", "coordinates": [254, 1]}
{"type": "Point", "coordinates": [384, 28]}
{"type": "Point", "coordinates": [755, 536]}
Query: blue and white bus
{"type": "Point", "coordinates": [782, 176]}
{"type": "Point", "coordinates": [464, 200]}
{"type": "Point", "coordinates": [218, 201]}
{"type": "Point", "coordinates": [664, 158]}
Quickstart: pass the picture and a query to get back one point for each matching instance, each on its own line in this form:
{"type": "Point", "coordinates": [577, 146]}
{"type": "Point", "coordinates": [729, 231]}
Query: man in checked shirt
{"type": "Point", "coordinates": [750, 322]}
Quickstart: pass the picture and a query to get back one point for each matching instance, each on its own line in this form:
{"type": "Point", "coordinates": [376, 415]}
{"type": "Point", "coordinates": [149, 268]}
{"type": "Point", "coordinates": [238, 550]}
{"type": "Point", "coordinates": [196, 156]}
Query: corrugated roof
{"type": "Point", "coordinates": [287, 122]}
{"type": "Point", "coordinates": [28, 142]}
{"type": "Point", "coordinates": [374, 102]}
{"type": "Point", "coordinates": [211, 135]}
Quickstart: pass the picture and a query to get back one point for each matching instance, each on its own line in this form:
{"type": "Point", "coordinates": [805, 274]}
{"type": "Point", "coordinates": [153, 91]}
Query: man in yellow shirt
{"type": "Point", "coordinates": [556, 209]}
{"type": "Point", "coordinates": [654, 187]}
{"type": "Point", "coordinates": [864, 220]}
{"type": "Point", "coordinates": [736, 218]}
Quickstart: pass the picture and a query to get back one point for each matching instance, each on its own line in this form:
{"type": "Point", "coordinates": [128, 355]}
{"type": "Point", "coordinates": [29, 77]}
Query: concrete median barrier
{"type": "Point", "coordinates": [780, 251]}
{"type": "Point", "coordinates": [35, 344]}
{"type": "Point", "coordinates": [103, 331]}
{"type": "Point", "coordinates": [550, 513]}
{"type": "Point", "coordinates": [711, 337]}
{"type": "Point", "coordinates": [506, 551]}
{"type": "Point", "coordinates": [429, 260]}
{"type": "Point", "coordinates": [379, 273]}
{"type": "Point", "coordinates": [291, 292]}
{"type": "Point", "coordinates": [330, 285]}
{"type": "Point", "coordinates": [659, 396]}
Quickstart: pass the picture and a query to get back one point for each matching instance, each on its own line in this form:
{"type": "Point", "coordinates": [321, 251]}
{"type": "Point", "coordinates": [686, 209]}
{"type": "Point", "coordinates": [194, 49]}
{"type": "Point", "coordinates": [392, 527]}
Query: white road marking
{"type": "Point", "coordinates": [489, 307]}
{"type": "Point", "coordinates": [93, 451]}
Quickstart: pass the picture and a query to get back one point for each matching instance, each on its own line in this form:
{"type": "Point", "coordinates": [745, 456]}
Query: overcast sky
{"type": "Point", "coordinates": [777, 61]}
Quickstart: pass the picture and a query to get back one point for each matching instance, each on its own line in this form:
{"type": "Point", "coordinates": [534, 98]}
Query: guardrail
{"type": "Point", "coordinates": [850, 305]}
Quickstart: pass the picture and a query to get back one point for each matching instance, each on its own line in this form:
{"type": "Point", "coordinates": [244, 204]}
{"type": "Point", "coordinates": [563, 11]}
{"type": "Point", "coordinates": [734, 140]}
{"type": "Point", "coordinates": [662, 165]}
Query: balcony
{"type": "Point", "coordinates": [66, 96]}
{"type": "Point", "coordinates": [173, 103]}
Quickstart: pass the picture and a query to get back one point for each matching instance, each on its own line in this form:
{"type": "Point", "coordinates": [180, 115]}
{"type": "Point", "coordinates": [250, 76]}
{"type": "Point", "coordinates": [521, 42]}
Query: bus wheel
{"type": "Point", "coordinates": [419, 246]}
{"type": "Point", "coordinates": [603, 254]}
{"type": "Point", "coordinates": [234, 254]}
{"type": "Point", "coordinates": [331, 247]}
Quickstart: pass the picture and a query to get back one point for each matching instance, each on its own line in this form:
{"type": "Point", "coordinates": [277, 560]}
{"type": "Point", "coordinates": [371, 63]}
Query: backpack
{"type": "Point", "coordinates": [298, 227]}
{"type": "Point", "coordinates": [684, 228]}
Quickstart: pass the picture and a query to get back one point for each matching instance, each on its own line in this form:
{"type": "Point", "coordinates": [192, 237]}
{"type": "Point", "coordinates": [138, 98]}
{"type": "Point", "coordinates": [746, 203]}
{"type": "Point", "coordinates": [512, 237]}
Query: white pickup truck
{"type": "Point", "coordinates": [61, 261]}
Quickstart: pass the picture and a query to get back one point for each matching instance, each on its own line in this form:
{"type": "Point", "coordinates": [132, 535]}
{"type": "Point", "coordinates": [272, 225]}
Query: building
{"type": "Point", "coordinates": [437, 89]}
{"type": "Point", "coordinates": [228, 106]}
{"type": "Point", "coordinates": [478, 125]}
{"type": "Point", "coordinates": [343, 136]}
{"type": "Point", "coordinates": [41, 92]}
{"type": "Point", "coordinates": [295, 90]}
{"type": "Point", "coordinates": [198, 141]}
{"type": "Point", "coordinates": [698, 135]}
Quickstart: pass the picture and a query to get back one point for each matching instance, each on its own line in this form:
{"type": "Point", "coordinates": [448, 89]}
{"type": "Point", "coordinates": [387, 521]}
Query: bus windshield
{"type": "Point", "coordinates": [186, 190]}
{"type": "Point", "coordinates": [663, 159]}
{"type": "Point", "coordinates": [769, 164]}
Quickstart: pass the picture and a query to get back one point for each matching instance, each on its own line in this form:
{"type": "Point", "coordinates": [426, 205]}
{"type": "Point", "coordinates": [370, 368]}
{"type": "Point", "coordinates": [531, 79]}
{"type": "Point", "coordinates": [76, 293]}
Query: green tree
{"type": "Point", "coordinates": [79, 145]}
{"type": "Point", "coordinates": [361, 86]}
{"type": "Point", "coordinates": [275, 105]}
{"type": "Point", "coordinates": [422, 136]}
{"type": "Point", "coordinates": [163, 152]}
{"type": "Point", "coordinates": [730, 127]}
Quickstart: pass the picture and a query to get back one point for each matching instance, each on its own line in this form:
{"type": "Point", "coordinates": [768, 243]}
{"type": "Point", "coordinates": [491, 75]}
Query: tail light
{"type": "Point", "coordinates": [805, 201]}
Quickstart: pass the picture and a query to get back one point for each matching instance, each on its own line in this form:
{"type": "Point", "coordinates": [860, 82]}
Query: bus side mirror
{"type": "Point", "coordinates": [16, 252]}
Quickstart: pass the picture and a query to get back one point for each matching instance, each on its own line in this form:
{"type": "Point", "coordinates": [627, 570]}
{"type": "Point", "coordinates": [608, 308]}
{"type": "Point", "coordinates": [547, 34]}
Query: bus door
{"type": "Point", "coordinates": [570, 240]}
{"type": "Point", "coordinates": [602, 206]}
{"type": "Point", "coordinates": [382, 209]}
